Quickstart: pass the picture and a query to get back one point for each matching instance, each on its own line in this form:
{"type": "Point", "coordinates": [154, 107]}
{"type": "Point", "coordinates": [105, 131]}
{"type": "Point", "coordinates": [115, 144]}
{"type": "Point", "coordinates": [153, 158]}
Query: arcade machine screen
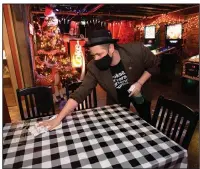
{"type": "Point", "coordinates": [174, 35]}
{"type": "Point", "coordinates": [149, 35]}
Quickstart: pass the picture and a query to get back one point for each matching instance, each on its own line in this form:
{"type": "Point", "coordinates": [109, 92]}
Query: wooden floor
{"type": "Point", "coordinates": [172, 90]}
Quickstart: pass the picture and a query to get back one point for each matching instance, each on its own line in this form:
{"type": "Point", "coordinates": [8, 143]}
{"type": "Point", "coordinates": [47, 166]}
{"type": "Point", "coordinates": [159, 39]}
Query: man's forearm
{"type": "Point", "coordinates": [145, 76]}
{"type": "Point", "coordinates": [68, 108]}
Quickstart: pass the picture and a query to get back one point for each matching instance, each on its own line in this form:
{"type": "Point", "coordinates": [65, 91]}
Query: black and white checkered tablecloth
{"type": "Point", "coordinates": [105, 137]}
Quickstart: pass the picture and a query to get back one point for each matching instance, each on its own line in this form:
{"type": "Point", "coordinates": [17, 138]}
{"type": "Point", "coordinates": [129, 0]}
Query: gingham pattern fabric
{"type": "Point", "coordinates": [104, 137]}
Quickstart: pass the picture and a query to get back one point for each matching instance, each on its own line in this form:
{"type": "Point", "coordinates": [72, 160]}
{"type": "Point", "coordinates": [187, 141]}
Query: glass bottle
{"type": "Point", "coordinates": [138, 98]}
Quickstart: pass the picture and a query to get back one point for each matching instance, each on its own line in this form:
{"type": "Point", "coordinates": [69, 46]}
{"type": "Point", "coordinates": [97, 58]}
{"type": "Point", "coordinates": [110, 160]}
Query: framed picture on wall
{"type": "Point", "coordinates": [77, 52]}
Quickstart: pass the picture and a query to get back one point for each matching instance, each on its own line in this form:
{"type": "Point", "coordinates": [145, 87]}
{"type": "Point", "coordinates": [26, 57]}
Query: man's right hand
{"type": "Point", "coordinates": [68, 108]}
{"type": "Point", "coordinates": [50, 124]}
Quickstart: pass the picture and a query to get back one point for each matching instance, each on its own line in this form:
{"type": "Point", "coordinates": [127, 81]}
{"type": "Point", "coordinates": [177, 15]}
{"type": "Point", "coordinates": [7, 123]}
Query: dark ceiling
{"type": "Point", "coordinates": [110, 11]}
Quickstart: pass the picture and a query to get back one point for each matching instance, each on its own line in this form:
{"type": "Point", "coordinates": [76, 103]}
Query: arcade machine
{"type": "Point", "coordinates": [173, 39]}
{"type": "Point", "coordinates": [174, 35]}
{"type": "Point", "coordinates": [190, 73]}
{"type": "Point", "coordinates": [149, 36]}
{"type": "Point", "coordinates": [169, 58]}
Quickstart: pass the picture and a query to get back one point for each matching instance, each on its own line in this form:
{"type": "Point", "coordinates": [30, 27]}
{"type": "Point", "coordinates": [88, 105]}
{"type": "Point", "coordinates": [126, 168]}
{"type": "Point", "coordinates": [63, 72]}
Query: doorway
{"type": "Point", "coordinates": [7, 84]}
{"type": "Point", "coordinates": [8, 90]}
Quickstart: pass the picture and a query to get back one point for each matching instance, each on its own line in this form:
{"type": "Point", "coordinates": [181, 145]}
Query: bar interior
{"type": "Point", "coordinates": [45, 60]}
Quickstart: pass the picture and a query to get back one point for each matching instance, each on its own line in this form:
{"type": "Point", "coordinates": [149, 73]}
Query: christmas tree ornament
{"type": "Point", "coordinates": [53, 21]}
{"type": "Point", "coordinates": [65, 38]}
{"type": "Point", "coordinates": [49, 11]}
{"type": "Point", "coordinates": [53, 42]}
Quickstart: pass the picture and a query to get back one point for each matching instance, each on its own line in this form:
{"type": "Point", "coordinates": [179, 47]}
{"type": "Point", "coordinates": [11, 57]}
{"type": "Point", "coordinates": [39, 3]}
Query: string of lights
{"type": "Point", "coordinates": [188, 24]}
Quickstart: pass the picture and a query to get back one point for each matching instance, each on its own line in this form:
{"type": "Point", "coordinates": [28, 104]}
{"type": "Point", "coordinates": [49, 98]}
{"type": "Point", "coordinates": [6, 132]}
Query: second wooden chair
{"type": "Point", "coordinates": [175, 120]}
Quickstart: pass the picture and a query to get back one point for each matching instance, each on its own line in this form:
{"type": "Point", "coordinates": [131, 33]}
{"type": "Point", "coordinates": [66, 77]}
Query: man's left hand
{"type": "Point", "coordinates": [135, 89]}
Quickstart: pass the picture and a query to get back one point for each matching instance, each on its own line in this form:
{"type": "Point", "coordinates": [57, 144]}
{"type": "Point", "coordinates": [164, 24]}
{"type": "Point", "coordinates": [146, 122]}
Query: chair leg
{"type": "Point", "coordinates": [54, 98]}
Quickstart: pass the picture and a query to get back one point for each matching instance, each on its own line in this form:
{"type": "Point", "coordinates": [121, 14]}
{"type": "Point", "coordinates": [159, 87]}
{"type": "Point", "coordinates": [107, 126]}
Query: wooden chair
{"type": "Point", "coordinates": [89, 102]}
{"type": "Point", "coordinates": [38, 102]}
{"type": "Point", "coordinates": [176, 120]}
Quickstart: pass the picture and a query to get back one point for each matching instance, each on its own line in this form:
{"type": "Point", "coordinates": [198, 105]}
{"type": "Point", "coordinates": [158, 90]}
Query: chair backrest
{"type": "Point", "coordinates": [38, 102]}
{"type": "Point", "coordinates": [89, 102]}
{"type": "Point", "coordinates": [175, 120]}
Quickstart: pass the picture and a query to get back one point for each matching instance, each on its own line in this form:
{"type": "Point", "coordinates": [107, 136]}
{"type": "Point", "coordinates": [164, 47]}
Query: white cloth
{"type": "Point", "coordinates": [36, 130]}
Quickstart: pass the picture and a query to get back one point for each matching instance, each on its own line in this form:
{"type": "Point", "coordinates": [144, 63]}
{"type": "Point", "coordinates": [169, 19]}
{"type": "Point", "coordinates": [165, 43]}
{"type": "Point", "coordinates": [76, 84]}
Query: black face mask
{"type": "Point", "coordinates": [103, 63]}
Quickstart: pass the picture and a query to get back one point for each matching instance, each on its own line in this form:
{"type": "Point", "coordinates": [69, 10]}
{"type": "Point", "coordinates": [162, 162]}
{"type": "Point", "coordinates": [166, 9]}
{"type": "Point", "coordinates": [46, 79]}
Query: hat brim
{"type": "Point", "coordinates": [88, 44]}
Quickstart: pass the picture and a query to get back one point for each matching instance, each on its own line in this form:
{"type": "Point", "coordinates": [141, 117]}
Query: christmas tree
{"type": "Point", "coordinates": [52, 63]}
